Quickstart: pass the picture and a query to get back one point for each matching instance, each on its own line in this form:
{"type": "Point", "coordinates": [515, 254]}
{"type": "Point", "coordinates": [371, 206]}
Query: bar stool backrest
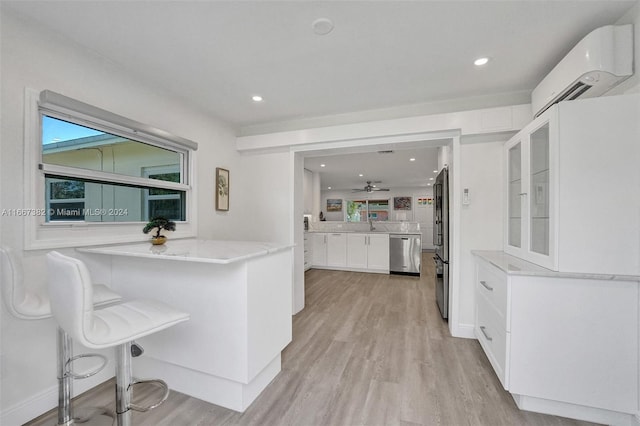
{"type": "Point", "coordinates": [71, 294]}
{"type": "Point", "coordinates": [20, 302]}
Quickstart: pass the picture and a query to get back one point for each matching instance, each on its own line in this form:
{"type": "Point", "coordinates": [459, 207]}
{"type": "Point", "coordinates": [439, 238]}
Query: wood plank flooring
{"type": "Point", "coordinates": [367, 349]}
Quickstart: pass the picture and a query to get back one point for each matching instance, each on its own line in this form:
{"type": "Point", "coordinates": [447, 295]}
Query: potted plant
{"type": "Point", "coordinates": [159, 223]}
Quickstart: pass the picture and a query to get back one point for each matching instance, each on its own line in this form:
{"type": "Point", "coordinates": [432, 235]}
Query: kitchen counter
{"type": "Point", "coordinates": [515, 266]}
{"type": "Point", "coordinates": [237, 292]}
{"type": "Point", "coordinates": [375, 231]}
{"type": "Point", "coordinates": [193, 250]}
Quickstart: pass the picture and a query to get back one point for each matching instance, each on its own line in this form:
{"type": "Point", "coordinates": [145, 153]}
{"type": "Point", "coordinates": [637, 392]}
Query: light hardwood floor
{"type": "Point", "coordinates": [367, 349]}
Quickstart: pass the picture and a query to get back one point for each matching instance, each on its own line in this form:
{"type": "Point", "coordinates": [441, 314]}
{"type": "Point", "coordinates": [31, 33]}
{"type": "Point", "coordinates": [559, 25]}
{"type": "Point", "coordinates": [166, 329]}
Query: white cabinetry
{"type": "Point", "coordinates": [560, 343]}
{"type": "Point", "coordinates": [307, 191]}
{"type": "Point", "coordinates": [308, 251]}
{"type": "Point", "coordinates": [368, 252]}
{"type": "Point", "coordinates": [337, 249]}
{"type": "Point", "coordinates": [572, 176]}
{"type": "Point", "coordinates": [319, 249]}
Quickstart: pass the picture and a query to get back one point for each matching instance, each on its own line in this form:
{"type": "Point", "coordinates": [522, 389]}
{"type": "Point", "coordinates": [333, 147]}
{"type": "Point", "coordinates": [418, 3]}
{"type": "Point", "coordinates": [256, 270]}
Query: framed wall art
{"type": "Point", "coordinates": [402, 203]}
{"type": "Point", "coordinates": [222, 189]}
{"type": "Point", "coordinates": [334, 205]}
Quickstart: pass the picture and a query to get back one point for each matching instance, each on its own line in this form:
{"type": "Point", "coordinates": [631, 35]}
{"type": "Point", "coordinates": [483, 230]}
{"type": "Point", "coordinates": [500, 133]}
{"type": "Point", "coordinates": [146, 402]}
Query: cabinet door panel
{"type": "Point", "coordinates": [336, 249]}
{"type": "Point", "coordinates": [539, 190]}
{"type": "Point", "coordinates": [319, 249]}
{"type": "Point", "coordinates": [514, 198]}
{"type": "Point", "coordinates": [378, 252]}
{"type": "Point", "coordinates": [357, 251]}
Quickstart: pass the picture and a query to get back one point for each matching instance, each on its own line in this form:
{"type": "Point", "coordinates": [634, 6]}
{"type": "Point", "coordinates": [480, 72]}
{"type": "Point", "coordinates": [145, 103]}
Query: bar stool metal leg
{"type": "Point", "coordinates": [123, 384]}
{"type": "Point", "coordinates": [65, 381]}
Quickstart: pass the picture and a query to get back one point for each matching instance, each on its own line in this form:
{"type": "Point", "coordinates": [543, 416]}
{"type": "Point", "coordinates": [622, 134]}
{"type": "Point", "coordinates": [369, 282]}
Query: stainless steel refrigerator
{"type": "Point", "coordinates": [441, 240]}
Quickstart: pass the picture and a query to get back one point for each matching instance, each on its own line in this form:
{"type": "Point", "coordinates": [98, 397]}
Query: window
{"type": "Point", "coordinates": [98, 176]}
{"type": "Point", "coordinates": [92, 176]}
{"type": "Point", "coordinates": [163, 202]}
{"type": "Point", "coordinates": [363, 210]}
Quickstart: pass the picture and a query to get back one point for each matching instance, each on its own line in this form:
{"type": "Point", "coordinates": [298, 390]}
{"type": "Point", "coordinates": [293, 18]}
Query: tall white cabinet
{"type": "Point", "coordinates": [572, 187]}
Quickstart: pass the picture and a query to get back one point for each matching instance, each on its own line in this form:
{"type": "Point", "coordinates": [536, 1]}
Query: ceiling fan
{"type": "Point", "coordinates": [371, 188]}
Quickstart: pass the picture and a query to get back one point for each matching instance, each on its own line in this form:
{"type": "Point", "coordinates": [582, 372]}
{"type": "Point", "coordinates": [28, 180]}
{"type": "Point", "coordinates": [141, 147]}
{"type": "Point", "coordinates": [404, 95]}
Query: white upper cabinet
{"type": "Point", "coordinates": [529, 232]}
{"type": "Point", "coordinates": [307, 191]}
{"type": "Point", "coordinates": [572, 187]}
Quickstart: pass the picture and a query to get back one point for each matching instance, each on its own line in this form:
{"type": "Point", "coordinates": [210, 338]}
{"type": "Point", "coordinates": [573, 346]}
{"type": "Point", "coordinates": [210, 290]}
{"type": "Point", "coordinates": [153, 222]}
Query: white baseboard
{"type": "Point", "coordinates": [43, 401]}
{"type": "Point", "coordinates": [464, 331]}
{"type": "Point", "coordinates": [573, 411]}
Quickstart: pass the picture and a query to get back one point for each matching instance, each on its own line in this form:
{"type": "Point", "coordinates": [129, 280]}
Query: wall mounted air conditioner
{"type": "Point", "coordinates": [598, 62]}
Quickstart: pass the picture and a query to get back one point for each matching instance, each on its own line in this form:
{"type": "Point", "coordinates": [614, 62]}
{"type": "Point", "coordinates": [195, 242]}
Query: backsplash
{"type": "Point", "coordinates": [331, 226]}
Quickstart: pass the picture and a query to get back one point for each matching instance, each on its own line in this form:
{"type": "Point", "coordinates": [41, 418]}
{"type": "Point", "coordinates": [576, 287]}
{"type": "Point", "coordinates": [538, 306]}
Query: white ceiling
{"type": "Point", "coordinates": [394, 170]}
{"type": "Point", "coordinates": [381, 55]}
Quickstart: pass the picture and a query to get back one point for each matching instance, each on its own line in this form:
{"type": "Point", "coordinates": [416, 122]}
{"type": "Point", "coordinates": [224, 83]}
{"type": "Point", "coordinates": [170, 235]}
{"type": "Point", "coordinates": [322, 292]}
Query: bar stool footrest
{"type": "Point", "coordinates": [71, 373]}
{"type": "Point", "coordinates": [160, 383]}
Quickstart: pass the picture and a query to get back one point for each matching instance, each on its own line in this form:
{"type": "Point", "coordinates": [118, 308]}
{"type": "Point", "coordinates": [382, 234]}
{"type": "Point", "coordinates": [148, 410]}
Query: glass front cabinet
{"type": "Point", "coordinates": [530, 157]}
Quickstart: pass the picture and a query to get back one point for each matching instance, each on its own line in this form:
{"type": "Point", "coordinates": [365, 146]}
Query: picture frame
{"type": "Point", "coordinates": [402, 203]}
{"type": "Point", "coordinates": [222, 189]}
{"type": "Point", "coordinates": [334, 205]}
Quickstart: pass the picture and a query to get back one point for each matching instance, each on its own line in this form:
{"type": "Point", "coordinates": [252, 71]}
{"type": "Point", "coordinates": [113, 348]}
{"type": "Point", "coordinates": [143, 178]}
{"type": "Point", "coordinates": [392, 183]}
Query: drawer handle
{"type": "Point", "coordinates": [483, 329]}
{"type": "Point", "coordinates": [485, 285]}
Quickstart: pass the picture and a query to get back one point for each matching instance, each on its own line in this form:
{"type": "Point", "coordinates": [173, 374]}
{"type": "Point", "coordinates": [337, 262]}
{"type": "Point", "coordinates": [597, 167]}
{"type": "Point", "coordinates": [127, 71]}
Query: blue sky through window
{"type": "Point", "coordinates": [54, 130]}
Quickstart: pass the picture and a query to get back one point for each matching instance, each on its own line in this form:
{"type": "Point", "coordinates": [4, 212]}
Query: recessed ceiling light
{"type": "Point", "coordinates": [328, 187]}
{"type": "Point", "coordinates": [435, 171]}
{"type": "Point", "coordinates": [412, 159]}
{"type": "Point", "coordinates": [322, 26]}
{"type": "Point", "coordinates": [428, 184]}
{"type": "Point", "coordinates": [430, 178]}
{"type": "Point", "coordinates": [480, 62]}
{"type": "Point", "coordinates": [323, 165]}
{"type": "Point", "coordinates": [256, 98]}
{"type": "Point", "coordinates": [360, 175]}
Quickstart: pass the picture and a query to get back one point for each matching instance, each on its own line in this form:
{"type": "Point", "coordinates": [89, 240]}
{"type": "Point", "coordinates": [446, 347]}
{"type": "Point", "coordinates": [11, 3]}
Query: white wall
{"type": "Point", "coordinates": [38, 59]}
{"type": "Point", "coordinates": [632, 84]}
{"type": "Point", "coordinates": [481, 226]}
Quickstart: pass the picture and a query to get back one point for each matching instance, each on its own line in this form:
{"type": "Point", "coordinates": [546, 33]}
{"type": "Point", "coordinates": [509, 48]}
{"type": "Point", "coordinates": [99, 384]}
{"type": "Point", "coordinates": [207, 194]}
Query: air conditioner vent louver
{"type": "Point", "coordinates": [575, 91]}
{"type": "Point", "coordinates": [386, 152]}
{"type": "Point", "coordinates": [601, 60]}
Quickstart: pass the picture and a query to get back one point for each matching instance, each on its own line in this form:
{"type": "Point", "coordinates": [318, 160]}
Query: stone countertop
{"type": "Point", "coordinates": [512, 265]}
{"type": "Point", "coordinates": [363, 232]}
{"type": "Point", "coordinates": [193, 250]}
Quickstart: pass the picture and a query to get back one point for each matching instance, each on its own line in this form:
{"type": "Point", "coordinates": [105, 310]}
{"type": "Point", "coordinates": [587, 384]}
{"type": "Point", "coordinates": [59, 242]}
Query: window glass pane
{"type": "Point", "coordinates": [102, 202]}
{"type": "Point", "coordinates": [73, 145]}
{"type": "Point", "coordinates": [65, 189]}
{"type": "Point", "coordinates": [379, 210]}
{"type": "Point", "coordinates": [357, 211]}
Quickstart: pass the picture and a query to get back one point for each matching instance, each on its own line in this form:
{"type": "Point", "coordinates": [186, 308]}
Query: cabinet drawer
{"type": "Point", "coordinates": [491, 333]}
{"type": "Point", "coordinates": [492, 284]}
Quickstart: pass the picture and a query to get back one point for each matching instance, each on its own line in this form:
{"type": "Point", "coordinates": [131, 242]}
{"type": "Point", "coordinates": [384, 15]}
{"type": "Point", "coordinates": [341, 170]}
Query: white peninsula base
{"type": "Point", "coordinates": [239, 297]}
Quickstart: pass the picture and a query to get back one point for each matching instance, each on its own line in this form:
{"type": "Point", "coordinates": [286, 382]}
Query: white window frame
{"type": "Point", "coordinates": [40, 234]}
{"type": "Point", "coordinates": [50, 203]}
{"type": "Point", "coordinates": [157, 170]}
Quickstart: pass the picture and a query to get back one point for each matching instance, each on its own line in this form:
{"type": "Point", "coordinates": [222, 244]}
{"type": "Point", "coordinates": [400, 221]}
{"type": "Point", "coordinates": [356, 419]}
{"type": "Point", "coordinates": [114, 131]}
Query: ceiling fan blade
{"type": "Point", "coordinates": [380, 189]}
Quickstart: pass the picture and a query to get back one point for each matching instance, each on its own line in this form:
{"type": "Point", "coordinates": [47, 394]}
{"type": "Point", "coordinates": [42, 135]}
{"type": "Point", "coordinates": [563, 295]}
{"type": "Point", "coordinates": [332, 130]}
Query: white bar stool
{"type": "Point", "coordinates": [71, 294]}
{"type": "Point", "coordinates": [28, 305]}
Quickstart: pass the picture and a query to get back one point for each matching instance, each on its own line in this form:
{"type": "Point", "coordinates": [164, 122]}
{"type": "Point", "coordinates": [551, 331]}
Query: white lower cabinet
{"type": "Point", "coordinates": [319, 249]}
{"type": "Point", "coordinates": [368, 252]}
{"type": "Point", "coordinates": [354, 251]}
{"type": "Point", "coordinates": [561, 344]}
{"type": "Point", "coordinates": [337, 249]}
{"type": "Point", "coordinates": [308, 251]}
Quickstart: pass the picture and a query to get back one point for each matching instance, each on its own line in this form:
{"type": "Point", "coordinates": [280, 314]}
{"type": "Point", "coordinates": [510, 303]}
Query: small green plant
{"type": "Point", "coordinates": [159, 223]}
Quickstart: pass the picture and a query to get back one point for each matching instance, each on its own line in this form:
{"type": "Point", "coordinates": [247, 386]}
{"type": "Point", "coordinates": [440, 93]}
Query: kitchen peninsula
{"type": "Point", "coordinates": [239, 295]}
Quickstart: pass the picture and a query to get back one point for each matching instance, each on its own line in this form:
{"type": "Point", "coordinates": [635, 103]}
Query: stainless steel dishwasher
{"type": "Point", "coordinates": [405, 252]}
